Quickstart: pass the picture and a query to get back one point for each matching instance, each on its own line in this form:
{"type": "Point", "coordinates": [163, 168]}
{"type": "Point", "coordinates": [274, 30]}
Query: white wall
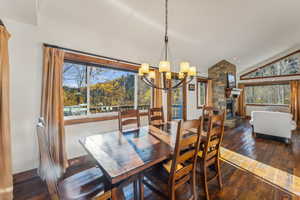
{"type": "Point", "coordinates": [192, 111]}
{"type": "Point", "coordinates": [25, 49]}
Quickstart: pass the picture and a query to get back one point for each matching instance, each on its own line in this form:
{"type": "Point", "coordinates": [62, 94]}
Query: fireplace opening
{"type": "Point", "coordinates": [230, 113]}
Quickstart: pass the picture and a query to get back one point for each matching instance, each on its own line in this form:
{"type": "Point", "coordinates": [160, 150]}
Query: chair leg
{"type": "Point", "coordinates": [205, 183]}
{"type": "Point", "coordinates": [194, 186]}
{"type": "Point", "coordinates": [219, 174]}
{"type": "Point", "coordinates": [135, 190]}
{"type": "Point", "coordinates": [141, 187]}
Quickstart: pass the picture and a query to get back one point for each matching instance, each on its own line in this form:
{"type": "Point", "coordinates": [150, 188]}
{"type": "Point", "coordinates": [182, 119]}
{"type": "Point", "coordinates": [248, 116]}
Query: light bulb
{"type": "Point", "coordinates": [181, 75]}
{"type": "Point", "coordinates": [164, 66]}
{"type": "Point", "coordinates": [184, 67]}
{"type": "Point", "coordinates": [192, 71]}
{"type": "Point", "coordinates": [168, 76]}
{"type": "Point", "coordinates": [145, 68]}
{"type": "Point", "coordinates": [152, 74]}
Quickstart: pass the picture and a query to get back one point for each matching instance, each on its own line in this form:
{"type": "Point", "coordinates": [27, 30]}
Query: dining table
{"type": "Point", "coordinates": [127, 154]}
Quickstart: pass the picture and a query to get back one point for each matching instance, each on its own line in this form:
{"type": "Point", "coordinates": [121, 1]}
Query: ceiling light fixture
{"type": "Point", "coordinates": [164, 67]}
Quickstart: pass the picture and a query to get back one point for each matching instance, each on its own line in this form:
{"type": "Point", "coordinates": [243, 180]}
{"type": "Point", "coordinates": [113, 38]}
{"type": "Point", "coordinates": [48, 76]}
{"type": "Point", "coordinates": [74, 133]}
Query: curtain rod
{"type": "Point", "coordinates": [91, 54]}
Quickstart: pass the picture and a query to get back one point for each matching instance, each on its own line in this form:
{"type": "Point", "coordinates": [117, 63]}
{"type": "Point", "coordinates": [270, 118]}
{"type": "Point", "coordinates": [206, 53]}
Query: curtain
{"type": "Point", "coordinates": [209, 93]}
{"type": "Point", "coordinates": [6, 186]}
{"type": "Point", "coordinates": [241, 109]}
{"type": "Point", "coordinates": [295, 101]}
{"type": "Point", "coordinates": [52, 109]}
{"type": "Point", "coordinates": [157, 100]}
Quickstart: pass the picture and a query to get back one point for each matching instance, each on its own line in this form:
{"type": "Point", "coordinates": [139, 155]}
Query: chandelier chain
{"type": "Point", "coordinates": [166, 30]}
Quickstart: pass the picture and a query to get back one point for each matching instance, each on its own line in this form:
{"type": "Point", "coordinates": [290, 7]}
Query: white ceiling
{"type": "Point", "coordinates": [19, 10]}
{"type": "Point", "coordinates": [201, 31]}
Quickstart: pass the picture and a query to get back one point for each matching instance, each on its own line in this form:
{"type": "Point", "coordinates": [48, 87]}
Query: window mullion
{"type": "Point", "coordinates": [88, 90]}
{"type": "Point", "coordinates": [136, 91]}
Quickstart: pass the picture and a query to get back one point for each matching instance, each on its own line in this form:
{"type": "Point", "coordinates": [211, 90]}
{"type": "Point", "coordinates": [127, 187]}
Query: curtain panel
{"type": "Point", "coordinates": [6, 185]}
{"type": "Point", "coordinates": [157, 97]}
{"type": "Point", "coordinates": [209, 93]}
{"type": "Point", "coordinates": [52, 111]}
{"type": "Point", "coordinates": [295, 101]}
{"type": "Point", "coordinates": [241, 101]}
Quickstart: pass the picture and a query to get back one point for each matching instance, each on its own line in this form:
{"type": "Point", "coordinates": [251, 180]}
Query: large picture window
{"type": "Point", "coordinates": [91, 90]}
{"type": "Point", "coordinates": [268, 94]}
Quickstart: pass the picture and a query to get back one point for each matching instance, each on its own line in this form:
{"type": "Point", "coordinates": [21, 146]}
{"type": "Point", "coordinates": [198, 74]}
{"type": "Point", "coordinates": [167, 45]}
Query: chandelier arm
{"type": "Point", "coordinates": [181, 82]}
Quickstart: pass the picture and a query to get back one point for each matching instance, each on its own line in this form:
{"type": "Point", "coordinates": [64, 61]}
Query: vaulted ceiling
{"type": "Point", "coordinates": [201, 31]}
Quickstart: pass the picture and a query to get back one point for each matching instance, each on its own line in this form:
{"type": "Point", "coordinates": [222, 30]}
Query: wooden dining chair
{"type": "Point", "coordinates": [156, 116]}
{"type": "Point", "coordinates": [128, 117]}
{"type": "Point", "coordinates": [210, 152]}
{"type": "Point", "coordinates": [87, 184]}
{"type": "Point", "coordinates": [181, 169]}
{"type": "Point", "coordinates": [207, 111]}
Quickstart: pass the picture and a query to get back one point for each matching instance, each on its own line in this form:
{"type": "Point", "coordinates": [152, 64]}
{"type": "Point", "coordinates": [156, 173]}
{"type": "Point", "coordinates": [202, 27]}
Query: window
{"type": "Point", "coordinates": [177, 102]}
{"type": "Point", "coordinates": [92, 90]}
{"type": "Point", "coordinates": [201, 93]}
{"type": "Point", "coordinates": [286, 66]}
{"type": "Point", "coordinates": [268, 94]}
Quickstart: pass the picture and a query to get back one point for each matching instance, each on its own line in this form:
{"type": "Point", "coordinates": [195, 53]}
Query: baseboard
{"type": "Point", "coordinates": [24, 176]}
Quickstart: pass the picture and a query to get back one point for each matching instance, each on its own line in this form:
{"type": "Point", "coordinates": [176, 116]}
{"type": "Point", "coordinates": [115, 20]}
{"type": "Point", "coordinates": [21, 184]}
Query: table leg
{"type": "Point", "coordinates": [114, 194]}
{"type": "Point", "coordinates": [141, 186]}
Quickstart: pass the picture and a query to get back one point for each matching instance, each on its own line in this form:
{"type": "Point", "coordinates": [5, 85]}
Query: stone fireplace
{"type": "Point", "coordinates": [218, 75]}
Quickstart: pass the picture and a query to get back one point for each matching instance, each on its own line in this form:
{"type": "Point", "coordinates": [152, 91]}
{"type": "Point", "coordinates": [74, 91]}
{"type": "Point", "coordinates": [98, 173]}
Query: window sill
{"type": "Point", "coordinates": [81, 120]}
{"type": "Point", "coordinates": [283, 105]}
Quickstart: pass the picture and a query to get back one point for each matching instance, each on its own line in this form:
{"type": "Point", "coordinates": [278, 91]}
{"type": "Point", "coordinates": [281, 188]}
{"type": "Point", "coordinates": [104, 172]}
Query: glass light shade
{"type": "Point", "coordinates": [181, 75]}
{"type": "Point", "coordinates": [192, 71]}
{"type": "Point", "coordinates": [184, 67]}
{"type": "Point", "coordinates": [140, 72]}
{"type": "Point", "coordinates": [168, 75]}
{"type": "Point", "coordinates": [164, 66]}
{"type": "Point", "coordinates": [152, 74]}
{"type": "Point", "coordinates": [145, 68]}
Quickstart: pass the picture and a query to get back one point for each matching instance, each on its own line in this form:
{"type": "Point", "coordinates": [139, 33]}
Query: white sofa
{"type": "Point", "coordinates": [273, 123]}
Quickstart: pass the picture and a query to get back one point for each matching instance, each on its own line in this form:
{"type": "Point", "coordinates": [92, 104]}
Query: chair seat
{"type": "Point", "coordinates": [83, 185]}
{"type": "Point", "coordinates": [167, 166]}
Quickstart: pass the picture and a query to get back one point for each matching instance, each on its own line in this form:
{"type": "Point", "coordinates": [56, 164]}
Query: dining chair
{"type": "Point", "coordinates": [87, 184]}
{"type": "Point", "coordinates": [209, 154]}
{"type": "Point", "coordinates": [128, 117]}
{"type": "Point", "coordinates": [181, 169]}
{"type": "Point", "coordinates": [208, 111]}
{"type": "Point", "coordinates": [156, 116]}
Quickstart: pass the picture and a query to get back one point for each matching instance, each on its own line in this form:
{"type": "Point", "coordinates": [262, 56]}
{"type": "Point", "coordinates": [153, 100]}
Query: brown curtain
{"type": "Point", "coordinates": [209, 93]}
{"type": "Point", "coordinates": [52, 107]}
{"type": "Point", "coordinates": [6, 186]}
{"type": "Point", "coordinates": [295, 101]}
{"type": "Point", "coordinates": [241, 109]}
{"type": "Point", "coordinates": [157, 97]}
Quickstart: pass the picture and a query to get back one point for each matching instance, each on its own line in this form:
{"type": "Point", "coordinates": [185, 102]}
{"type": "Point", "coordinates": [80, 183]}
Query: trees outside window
{"type": "Point", "coordinates": [98, 89]}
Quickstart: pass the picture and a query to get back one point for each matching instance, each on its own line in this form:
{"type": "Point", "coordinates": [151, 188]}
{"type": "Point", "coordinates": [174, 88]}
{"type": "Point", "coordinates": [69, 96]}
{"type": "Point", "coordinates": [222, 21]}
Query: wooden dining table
{"type": "Point", "coordinates": [123, 155]}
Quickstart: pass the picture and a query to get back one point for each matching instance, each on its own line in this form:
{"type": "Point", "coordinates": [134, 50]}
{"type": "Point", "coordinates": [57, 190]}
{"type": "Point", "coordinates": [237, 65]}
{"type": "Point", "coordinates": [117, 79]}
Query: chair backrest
{"type": "Point", "coordinates": [214, 139]}
{"type": "Point", "coordinates": [207, 111]}
{"type": "Point", "coordinates": [128, 117]}
{"type": "Point", "coordinates": [156, 116]}
{"type": "Point", "coordinates": [186, 149]}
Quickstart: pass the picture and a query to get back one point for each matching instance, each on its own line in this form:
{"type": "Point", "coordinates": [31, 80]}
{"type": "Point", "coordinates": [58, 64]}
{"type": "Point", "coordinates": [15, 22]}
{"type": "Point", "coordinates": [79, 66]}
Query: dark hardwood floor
{"type": "Point", "coordinates": [237, 184]}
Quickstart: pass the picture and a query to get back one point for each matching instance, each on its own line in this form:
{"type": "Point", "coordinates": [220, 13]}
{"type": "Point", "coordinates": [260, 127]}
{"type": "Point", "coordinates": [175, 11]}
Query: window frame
{"type": "Point", "coordinates": [265, 83]}
{"type": "Point", "coordinates": [197, 92]}
{"type": "Point", "coordinates": [243, 76]}
{"type": "Point", "coordinates": [94, 61]}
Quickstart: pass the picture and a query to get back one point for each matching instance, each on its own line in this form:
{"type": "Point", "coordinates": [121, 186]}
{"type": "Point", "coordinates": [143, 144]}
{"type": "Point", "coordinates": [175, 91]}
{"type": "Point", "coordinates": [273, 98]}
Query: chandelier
{"type": "Point", "coordinates": [185, 75]}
